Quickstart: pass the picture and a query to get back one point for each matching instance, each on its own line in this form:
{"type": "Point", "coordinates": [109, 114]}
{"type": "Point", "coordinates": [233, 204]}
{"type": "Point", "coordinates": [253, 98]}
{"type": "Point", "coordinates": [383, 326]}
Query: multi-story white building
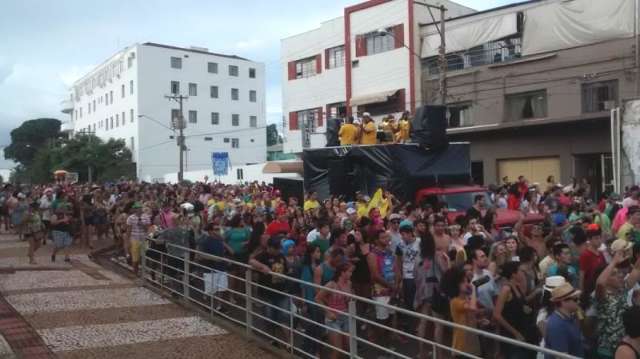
{"type": "Point", "coordinates": [366, 61]}
{"type": "Point", "coordinates": [125, 98]}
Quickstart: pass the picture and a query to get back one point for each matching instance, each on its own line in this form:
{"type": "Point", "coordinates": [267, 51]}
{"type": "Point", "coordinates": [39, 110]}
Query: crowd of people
{"type": "Point", "coordinates": [365, 132]}
{"type": "Point", "coordinates": [568, 282]}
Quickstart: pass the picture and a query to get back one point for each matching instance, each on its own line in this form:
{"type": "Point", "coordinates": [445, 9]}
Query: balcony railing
{"type": "Point", "coordinates": [66, 106]}
{"type": "Point", "coordinates": [490, 53]}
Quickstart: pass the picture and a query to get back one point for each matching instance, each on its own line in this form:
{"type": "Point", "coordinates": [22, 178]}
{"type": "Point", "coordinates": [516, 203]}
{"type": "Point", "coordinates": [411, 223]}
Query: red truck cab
{"type": "Point", "coordinates": [460, 198]}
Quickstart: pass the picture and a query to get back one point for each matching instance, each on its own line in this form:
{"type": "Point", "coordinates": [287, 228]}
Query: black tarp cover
{"type": "Point", "coordinates": [402, 168]}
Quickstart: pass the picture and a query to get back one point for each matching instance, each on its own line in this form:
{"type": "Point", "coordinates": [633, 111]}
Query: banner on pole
{"type": "Point", "coordinates": [221, 163]}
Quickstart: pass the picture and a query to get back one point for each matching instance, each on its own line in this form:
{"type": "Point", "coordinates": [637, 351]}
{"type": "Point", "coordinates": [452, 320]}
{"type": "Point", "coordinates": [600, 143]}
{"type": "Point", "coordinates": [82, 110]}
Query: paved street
{"type": "Point", "coordinates": [81, 310]}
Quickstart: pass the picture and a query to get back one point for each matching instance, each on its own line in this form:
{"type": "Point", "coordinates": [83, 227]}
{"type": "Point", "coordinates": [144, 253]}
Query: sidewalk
{"type": "Point", "coordinates": [81, 310]}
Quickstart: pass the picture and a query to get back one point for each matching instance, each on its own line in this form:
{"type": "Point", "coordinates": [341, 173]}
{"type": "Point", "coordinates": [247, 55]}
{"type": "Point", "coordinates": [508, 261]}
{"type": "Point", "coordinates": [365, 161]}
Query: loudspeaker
{"type": "Point", "coordinates": [333, 127]}
{"type": "Point", "coordinates": [429, 127]}
{"type": "Point", "coordinates": [340, 183]}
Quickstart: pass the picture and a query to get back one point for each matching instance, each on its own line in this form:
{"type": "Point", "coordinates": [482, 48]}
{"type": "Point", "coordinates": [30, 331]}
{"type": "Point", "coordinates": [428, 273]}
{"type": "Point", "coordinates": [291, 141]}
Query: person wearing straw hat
{"type": "Point", "coordinates": [562, 332]}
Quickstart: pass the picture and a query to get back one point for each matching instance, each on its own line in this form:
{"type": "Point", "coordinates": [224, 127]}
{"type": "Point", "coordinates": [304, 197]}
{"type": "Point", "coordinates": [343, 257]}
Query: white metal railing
{"type": "Point", "coordinates": [161, 274]}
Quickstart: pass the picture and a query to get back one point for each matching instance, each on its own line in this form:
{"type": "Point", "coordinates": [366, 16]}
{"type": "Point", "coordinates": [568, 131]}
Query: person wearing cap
{"type": "Point", "coordinates": [137, 225]}
{"type": "Point", "coordinates": [407, 252]}
{"type": "Point", "coordinates": [272, 265]}
{"type": "Point", "coordinates": [612, 289]}
{"type": "Point", "coordinates": [348, 133]}
{"type": "Point", "coordinates": [368, 130]}
{"type": "Point", "coordinates": [281, 224]}
{"type": "Point", "coordinates": [393, 227]}
{"type": "Point", "coordinates": [562, 331]}
{"type": "Point", "coordinates": [591, 259]}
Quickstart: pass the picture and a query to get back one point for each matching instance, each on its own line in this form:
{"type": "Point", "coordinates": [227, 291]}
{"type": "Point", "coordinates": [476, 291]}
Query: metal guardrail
{"type": "Point", "coordinates": [158, 272]}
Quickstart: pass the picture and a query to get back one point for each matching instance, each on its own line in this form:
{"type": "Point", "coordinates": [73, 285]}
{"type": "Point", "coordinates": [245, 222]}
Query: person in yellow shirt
{"type": "Point", "coordinates": [404, 128]}
{"type": "Point", "coordinates": [348, 133]}
{"type": "Point", "coordinates": [389, 127]}
{"type": "Point", "coordinates": [369, 131]}
{"type": "Point", "coordinates": [312, 202]}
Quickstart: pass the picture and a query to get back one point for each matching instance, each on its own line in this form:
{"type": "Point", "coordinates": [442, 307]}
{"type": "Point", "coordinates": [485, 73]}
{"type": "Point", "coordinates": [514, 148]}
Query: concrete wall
{"type": "Point", "coordinates": [250, 173]}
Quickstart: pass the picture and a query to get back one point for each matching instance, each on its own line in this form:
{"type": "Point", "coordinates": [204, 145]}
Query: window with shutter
{"type": "Point", "coordinates": [293, 121]}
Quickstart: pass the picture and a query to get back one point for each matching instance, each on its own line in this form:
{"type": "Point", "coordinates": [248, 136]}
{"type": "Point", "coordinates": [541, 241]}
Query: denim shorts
{"type": "Point", "coordinates": [61, 239]}
{"type": "Point", "coordinates": [340, 324]}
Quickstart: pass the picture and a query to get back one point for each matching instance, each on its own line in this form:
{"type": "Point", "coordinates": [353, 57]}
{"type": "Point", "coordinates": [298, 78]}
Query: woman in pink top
{"type": "Point", "coordinates": [336, 313]}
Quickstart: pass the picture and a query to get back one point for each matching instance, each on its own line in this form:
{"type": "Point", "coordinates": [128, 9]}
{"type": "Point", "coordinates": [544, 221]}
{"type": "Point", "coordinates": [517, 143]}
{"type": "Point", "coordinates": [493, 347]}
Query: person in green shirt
{"type": "Point", "coordinates": [629, 230]}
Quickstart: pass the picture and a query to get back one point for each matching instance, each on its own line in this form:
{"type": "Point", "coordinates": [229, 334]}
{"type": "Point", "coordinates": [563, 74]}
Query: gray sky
{"type": "Point", "coordinates": [47, 44]}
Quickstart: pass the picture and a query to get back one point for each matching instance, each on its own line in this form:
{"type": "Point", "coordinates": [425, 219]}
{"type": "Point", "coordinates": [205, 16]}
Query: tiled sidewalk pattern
{"type": "Point", "coordinates": [81, 310]}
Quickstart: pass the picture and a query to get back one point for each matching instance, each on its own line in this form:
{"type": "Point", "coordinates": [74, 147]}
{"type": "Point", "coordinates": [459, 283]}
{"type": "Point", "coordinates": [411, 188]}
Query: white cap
{"type": "Point", "coordinates": [366, 114]}
{"type": "Point", "coordinates": [351, 211]}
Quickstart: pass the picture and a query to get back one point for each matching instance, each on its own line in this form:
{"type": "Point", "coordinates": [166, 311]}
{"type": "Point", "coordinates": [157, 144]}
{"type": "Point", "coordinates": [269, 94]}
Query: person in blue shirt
{"type": "Point", "coordinates": [562, 332]}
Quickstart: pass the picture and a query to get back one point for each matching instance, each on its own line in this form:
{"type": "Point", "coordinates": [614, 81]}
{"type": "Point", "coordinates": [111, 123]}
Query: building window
{"type": "Point", "coordinates": [213, 91]}
{"type": "Point", "coordinates": [208, 138]}
{"type": "Point", "coordinates": [131, 87]}
{"type": "Point", "coordinates": [252, 73]}
{"type": "Point", "coordinates": [176, 62]}
{"type": "Point", "coordinates": [175, 87]}
{"type": "Point", "coordinates": [111, 97]}
{"type": "Point", "coordinates": [235, 119]}
{"type": "Point", "coordinates": [239, 174]}
{"type": "Point", "coordinates": [599, 96]}
{"type": "Point", "coordinates": [88, 107]}
{"type": "Point", "coordinates": [111, 124]}
{"type": "Point", "coordinates": [335, 57]}
{"type": "Point", "coordinates": [212, 67]}
{"type": "Point", "coordinates": [94, 105]}
{"type": "Point", "coordinates": [117, 120]}
{"type": "Point", "coordinates": [233, 70]}
{"type": "Point", "coordinates": [131, 114]}
{"type": "Point", "coordinates": [193, 89]}
{"type": "Point", "coordinates": [124, 119]}
{"type": "Point", "coordinates": [130, 60]}
{"type": "Point", "coordinates": [309, 119]}
{"type": "Point", "coordinates": [106, 124]}
{"type": "Point", "coordinates": [459, 115]}
{"type": "Point", "coordinates": [235, 143]}
{"type": "Point", "coordinates": [526, 105]}
{"type": "Point", "coordinates": [253, 121]}
{"type": "Point", "coordinates": [378, 42]}
{"type": "Point", "coordinates": [215, 118]}
{"type": "Point", "coordinates": [193, 116]}
{"type": "Point", "coordinates": [235, 94]}
{"type": "Point", "coordinates": [133, 144]}
{"type": "Point", "coordinates": [122, 91]}
{"type": "Point", "coordinates": [81, 112]}
{"type": "Point", "coordinates": [306, 68]}
{"type": "Point", "coordinates": [226, 140]}
{"type": "Point", "coordinates": [252, 95]}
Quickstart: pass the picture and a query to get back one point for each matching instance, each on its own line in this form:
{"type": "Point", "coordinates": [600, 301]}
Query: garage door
{"type": "Point", "coordinates": [533, 169]}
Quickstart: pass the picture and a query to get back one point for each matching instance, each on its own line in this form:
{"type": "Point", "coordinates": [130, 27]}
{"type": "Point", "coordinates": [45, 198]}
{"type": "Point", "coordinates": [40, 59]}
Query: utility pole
{"type": "Point", "coordinates": [180, 125]}
{"type": "Point", "coordinates": [442, 54]}
{"type": "Point", "coordinates": [89, 133]}
{"type": "Point", "coordinates": [443, 58]}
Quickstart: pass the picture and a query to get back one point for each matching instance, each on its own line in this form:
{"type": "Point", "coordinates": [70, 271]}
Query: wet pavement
{"type": "Point", "coordinates": [82, 310]}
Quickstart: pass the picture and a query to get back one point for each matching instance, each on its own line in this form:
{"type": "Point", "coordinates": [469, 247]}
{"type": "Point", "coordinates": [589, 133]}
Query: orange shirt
{"type": "Point", "coordinates": [348, 134]}
{"type": "Point", "coordinates": [369, 135]}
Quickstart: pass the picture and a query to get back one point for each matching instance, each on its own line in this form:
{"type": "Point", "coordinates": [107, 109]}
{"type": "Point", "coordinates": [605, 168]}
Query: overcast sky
{"type": "Point", "coordinates": [47, 45]}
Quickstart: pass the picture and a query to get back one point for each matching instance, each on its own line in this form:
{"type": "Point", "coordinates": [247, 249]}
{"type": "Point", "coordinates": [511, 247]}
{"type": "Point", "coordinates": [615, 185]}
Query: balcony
{"type": "Point", "coordinates": [494, 52]}
{"type": "Point", "coordinates": [66, 106]}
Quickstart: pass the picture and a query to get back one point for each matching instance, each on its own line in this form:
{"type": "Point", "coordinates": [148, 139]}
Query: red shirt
{"type": "Point", "coordinates": [513, 202]}
{"type": "Point", "coordinates": [589, 263]}
{"type": "Point", "coordinates": [277, 227]}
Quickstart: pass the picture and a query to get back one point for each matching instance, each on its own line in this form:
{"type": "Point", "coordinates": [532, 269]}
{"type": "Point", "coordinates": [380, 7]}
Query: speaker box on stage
{"type": "Point", "coordinates": [333, 127]}
{"type": "Point", "coordinates": [340, 178]}
{"type": "Point", "coordinates": [429, 127]}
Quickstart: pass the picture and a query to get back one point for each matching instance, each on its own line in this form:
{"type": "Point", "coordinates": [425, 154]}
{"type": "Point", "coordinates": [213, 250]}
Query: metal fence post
{"type": "Point", "coordinates": [353, 329]}
{"type": "Point", "coordinates": [248, 302]}
{"type": "Point", "coordinates": [185, 276]}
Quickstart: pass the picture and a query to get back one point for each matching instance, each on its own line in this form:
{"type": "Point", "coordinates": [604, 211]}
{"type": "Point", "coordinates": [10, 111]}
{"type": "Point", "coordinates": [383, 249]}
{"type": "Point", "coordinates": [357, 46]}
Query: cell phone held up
{"type": "Point", "coordinates": [481, 281]}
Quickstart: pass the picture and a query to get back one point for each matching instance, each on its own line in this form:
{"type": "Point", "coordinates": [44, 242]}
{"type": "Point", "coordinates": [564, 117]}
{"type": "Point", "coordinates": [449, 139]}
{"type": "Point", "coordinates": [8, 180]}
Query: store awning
{"type": "Point", "coordinates": [372, 98]}
{"type": "Point", "coordinates": [283, 167]}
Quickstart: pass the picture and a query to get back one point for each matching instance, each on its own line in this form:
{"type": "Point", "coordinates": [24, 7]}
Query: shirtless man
{"type": "Point", "coordinates": [442, 239]}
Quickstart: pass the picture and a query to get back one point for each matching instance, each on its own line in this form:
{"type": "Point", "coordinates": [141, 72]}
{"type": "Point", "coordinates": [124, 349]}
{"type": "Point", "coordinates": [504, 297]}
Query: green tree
{"type": "Point", "coordinates": [30, 137]}
{"type": "Point", "coordinates": [273, 137]}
